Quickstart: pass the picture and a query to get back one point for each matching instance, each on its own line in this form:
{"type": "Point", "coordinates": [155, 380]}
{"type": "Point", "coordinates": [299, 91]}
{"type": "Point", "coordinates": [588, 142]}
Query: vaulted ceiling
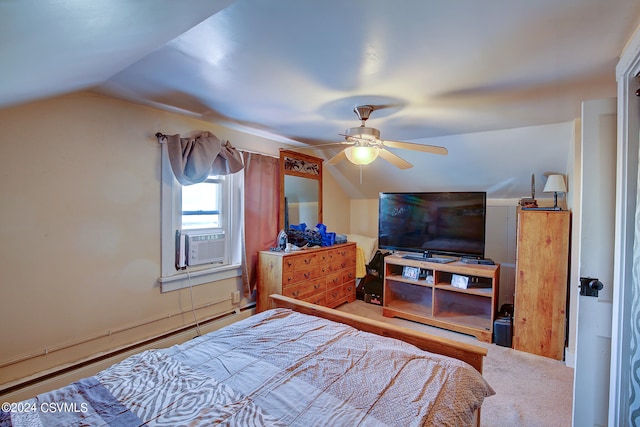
{"type": "Point", "coordinates": [498, 83]}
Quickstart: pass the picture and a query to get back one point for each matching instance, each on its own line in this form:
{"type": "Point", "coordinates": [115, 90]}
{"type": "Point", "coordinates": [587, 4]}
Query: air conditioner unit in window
{"type": "Point", "coordinates": [196, 248]}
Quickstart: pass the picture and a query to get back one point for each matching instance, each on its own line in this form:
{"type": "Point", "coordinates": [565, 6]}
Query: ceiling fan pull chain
{"type": "Point", "coordinates": [360, 174]}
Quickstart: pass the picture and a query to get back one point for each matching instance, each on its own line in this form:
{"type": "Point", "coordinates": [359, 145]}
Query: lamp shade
{"type": "Point", "coordinates": [361, 155]}
{"type": "Point", "coordinates": [555, 184]}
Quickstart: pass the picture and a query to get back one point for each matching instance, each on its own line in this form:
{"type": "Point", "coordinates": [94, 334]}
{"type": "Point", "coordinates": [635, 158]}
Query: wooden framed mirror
{"type": "Point", "coordinates": [300, 189]}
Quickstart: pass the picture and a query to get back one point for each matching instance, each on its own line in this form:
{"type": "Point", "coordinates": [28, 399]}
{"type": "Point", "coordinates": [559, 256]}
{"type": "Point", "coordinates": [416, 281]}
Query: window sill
{"type": "Point", "coordinates": [182, 279]}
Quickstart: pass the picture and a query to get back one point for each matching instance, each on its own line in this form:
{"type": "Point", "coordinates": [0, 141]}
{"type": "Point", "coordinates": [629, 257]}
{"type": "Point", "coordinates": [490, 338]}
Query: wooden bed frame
{"type": "Point", "coordinates": [471, 354]}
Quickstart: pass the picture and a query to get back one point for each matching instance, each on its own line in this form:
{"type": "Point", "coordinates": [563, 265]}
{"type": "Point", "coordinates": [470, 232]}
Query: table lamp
{"type": "Point", "coordinates": [555, 184]}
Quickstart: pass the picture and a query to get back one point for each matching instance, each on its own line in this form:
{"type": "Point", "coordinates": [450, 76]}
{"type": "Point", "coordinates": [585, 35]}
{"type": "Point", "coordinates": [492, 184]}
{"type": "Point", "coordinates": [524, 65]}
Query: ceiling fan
{"type": "Point", "coordinates": [363, 145]}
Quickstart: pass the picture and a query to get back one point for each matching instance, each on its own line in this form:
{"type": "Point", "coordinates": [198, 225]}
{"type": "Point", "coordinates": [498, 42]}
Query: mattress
{"type": "Point", "coordinates": [277, 368]}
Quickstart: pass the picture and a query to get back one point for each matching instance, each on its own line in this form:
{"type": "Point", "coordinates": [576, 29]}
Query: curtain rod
{"type": "Point", "coordinates": [162, 139]}
{"type": "Point", "coordinates": [259, 152]}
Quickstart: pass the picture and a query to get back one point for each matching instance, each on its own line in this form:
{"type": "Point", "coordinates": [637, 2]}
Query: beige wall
{"type": "Point", "coordinates": [80, 230]}
{"type": "Point", "coordinates": [364, 217]}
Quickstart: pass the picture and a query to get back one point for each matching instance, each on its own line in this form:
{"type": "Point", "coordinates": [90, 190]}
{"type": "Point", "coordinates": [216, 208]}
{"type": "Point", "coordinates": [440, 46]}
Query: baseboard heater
{"type": "Point", "coordinates": [58, 377]}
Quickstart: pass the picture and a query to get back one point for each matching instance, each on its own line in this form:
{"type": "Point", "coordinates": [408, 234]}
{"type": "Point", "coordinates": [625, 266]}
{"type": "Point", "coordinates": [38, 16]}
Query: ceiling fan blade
{"type": "Point", "coordinates": [336, 159]}
{"type": "Point", "coordinates": [434, 149]}
{"type": "Point", "coordinates": [394, 159]}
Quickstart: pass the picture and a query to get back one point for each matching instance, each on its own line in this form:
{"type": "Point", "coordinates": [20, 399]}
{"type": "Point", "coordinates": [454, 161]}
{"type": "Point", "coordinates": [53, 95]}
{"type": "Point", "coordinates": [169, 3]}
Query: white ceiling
{"type": "Point", "coordinates": [452, 73]}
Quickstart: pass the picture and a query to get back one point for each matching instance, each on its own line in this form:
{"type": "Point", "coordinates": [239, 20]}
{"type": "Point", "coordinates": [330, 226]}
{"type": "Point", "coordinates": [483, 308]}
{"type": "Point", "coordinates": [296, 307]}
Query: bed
{"type": "Point", "coordinates": [296, 364]}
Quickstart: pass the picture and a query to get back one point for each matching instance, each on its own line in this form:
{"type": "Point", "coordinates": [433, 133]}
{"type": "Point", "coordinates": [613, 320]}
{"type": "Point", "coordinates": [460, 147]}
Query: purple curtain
{"type": "Point", "coordinates": [261, 212]}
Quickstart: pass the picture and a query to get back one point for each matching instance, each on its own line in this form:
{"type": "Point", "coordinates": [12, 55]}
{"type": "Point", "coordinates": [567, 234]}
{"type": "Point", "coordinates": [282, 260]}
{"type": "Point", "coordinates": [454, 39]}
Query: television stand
{"type": "Point", "coordinates": [428, 259]}
{"type": "Point", "coordinates": [436, 299]}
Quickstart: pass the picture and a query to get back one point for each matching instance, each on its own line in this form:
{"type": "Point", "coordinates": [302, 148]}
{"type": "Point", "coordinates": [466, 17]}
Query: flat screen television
{"type": "Point", "coordinates": [438, 223]}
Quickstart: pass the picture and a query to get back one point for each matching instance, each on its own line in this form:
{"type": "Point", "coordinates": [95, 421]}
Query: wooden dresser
{"type": "Point", "coordinates": [542, 263]}
{"type": "Point", "coordinates": [324, 276]}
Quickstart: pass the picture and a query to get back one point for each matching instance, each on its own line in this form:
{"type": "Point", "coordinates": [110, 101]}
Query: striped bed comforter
{"type": "Point", "coordinates": [277, 368]}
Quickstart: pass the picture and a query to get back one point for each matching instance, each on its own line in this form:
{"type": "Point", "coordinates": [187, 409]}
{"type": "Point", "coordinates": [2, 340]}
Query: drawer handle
{"type": "Point", "coordinates": [335, 281]}
{"type": "Point", "coordinates": [307, 261]}
{"type": "Point", "coordinates": [295, 294]}
{"type": "Point", "coordinates": [343, 265]}
{"type": "Point", "coordinates": [289, 263]}
{"type": "Point", "coordinates": [316, 286]}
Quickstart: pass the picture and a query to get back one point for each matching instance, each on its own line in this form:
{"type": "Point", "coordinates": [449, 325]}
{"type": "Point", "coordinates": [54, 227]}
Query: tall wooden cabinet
{"type": "Point", "coordinates": [542, 268]}
{"type": "Point", "coordinates": [324, 276]}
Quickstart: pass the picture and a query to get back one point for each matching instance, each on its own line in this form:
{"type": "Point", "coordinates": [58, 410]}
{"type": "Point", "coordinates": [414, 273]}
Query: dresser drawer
{"type": "Point", "coordinates": [335, 294]}
{"type": "Point", "coordinates": [350, 289]}
{"type": "Point", "coordinates": [348, 275]}
{"type": "Point", "coordinates": [303, 290]}
{"type": "Point", "coordinates": [341, 253]}
{"type": "Point", "coordinates": [303, 261]}
{"type": "Point", "coordinates": [296, 276]}
{"type": "Point", "coordinates": [334, 279]}
{"type": "Point", "coordinates": [318, 299]}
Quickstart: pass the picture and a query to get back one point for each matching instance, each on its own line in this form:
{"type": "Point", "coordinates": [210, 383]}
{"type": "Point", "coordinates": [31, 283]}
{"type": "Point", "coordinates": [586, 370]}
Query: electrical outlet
{"type": "Point", "coordinates": [235, 297]}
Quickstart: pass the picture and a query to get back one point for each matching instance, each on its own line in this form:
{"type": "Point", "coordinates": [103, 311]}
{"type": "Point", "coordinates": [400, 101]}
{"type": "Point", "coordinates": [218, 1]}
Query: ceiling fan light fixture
{"type": "Point", "coordinates": [362, 132]}
{"type": "Point", "coordinates": [361, 155]}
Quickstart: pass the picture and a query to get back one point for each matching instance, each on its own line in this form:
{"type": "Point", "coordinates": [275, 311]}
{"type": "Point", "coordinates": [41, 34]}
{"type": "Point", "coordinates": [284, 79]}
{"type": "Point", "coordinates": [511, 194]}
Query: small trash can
{"type": "Point", "coordinates": [503, 331]}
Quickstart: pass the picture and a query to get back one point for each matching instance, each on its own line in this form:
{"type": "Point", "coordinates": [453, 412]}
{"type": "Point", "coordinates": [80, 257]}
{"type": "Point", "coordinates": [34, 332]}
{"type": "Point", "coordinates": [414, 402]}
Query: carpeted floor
{"type": "Point", "coordinates": [531, 391]}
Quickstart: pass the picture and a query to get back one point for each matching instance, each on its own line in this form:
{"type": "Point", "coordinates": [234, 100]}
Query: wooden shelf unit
{"type": "Point", "coordinates": [469, 311]}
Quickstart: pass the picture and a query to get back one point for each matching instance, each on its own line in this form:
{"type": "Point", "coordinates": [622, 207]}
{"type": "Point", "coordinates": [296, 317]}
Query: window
{"type": "Point", "coordinates": [213, 206]}
{"type": "Point", "coordinates": [201, 204]}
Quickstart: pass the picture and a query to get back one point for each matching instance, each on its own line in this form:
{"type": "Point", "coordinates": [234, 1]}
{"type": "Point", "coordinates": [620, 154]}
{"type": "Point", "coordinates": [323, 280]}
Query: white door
{"type": "Point", "coordinates": [624, 396]}
{"type": "Point", "coordinates": [597, 222]}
